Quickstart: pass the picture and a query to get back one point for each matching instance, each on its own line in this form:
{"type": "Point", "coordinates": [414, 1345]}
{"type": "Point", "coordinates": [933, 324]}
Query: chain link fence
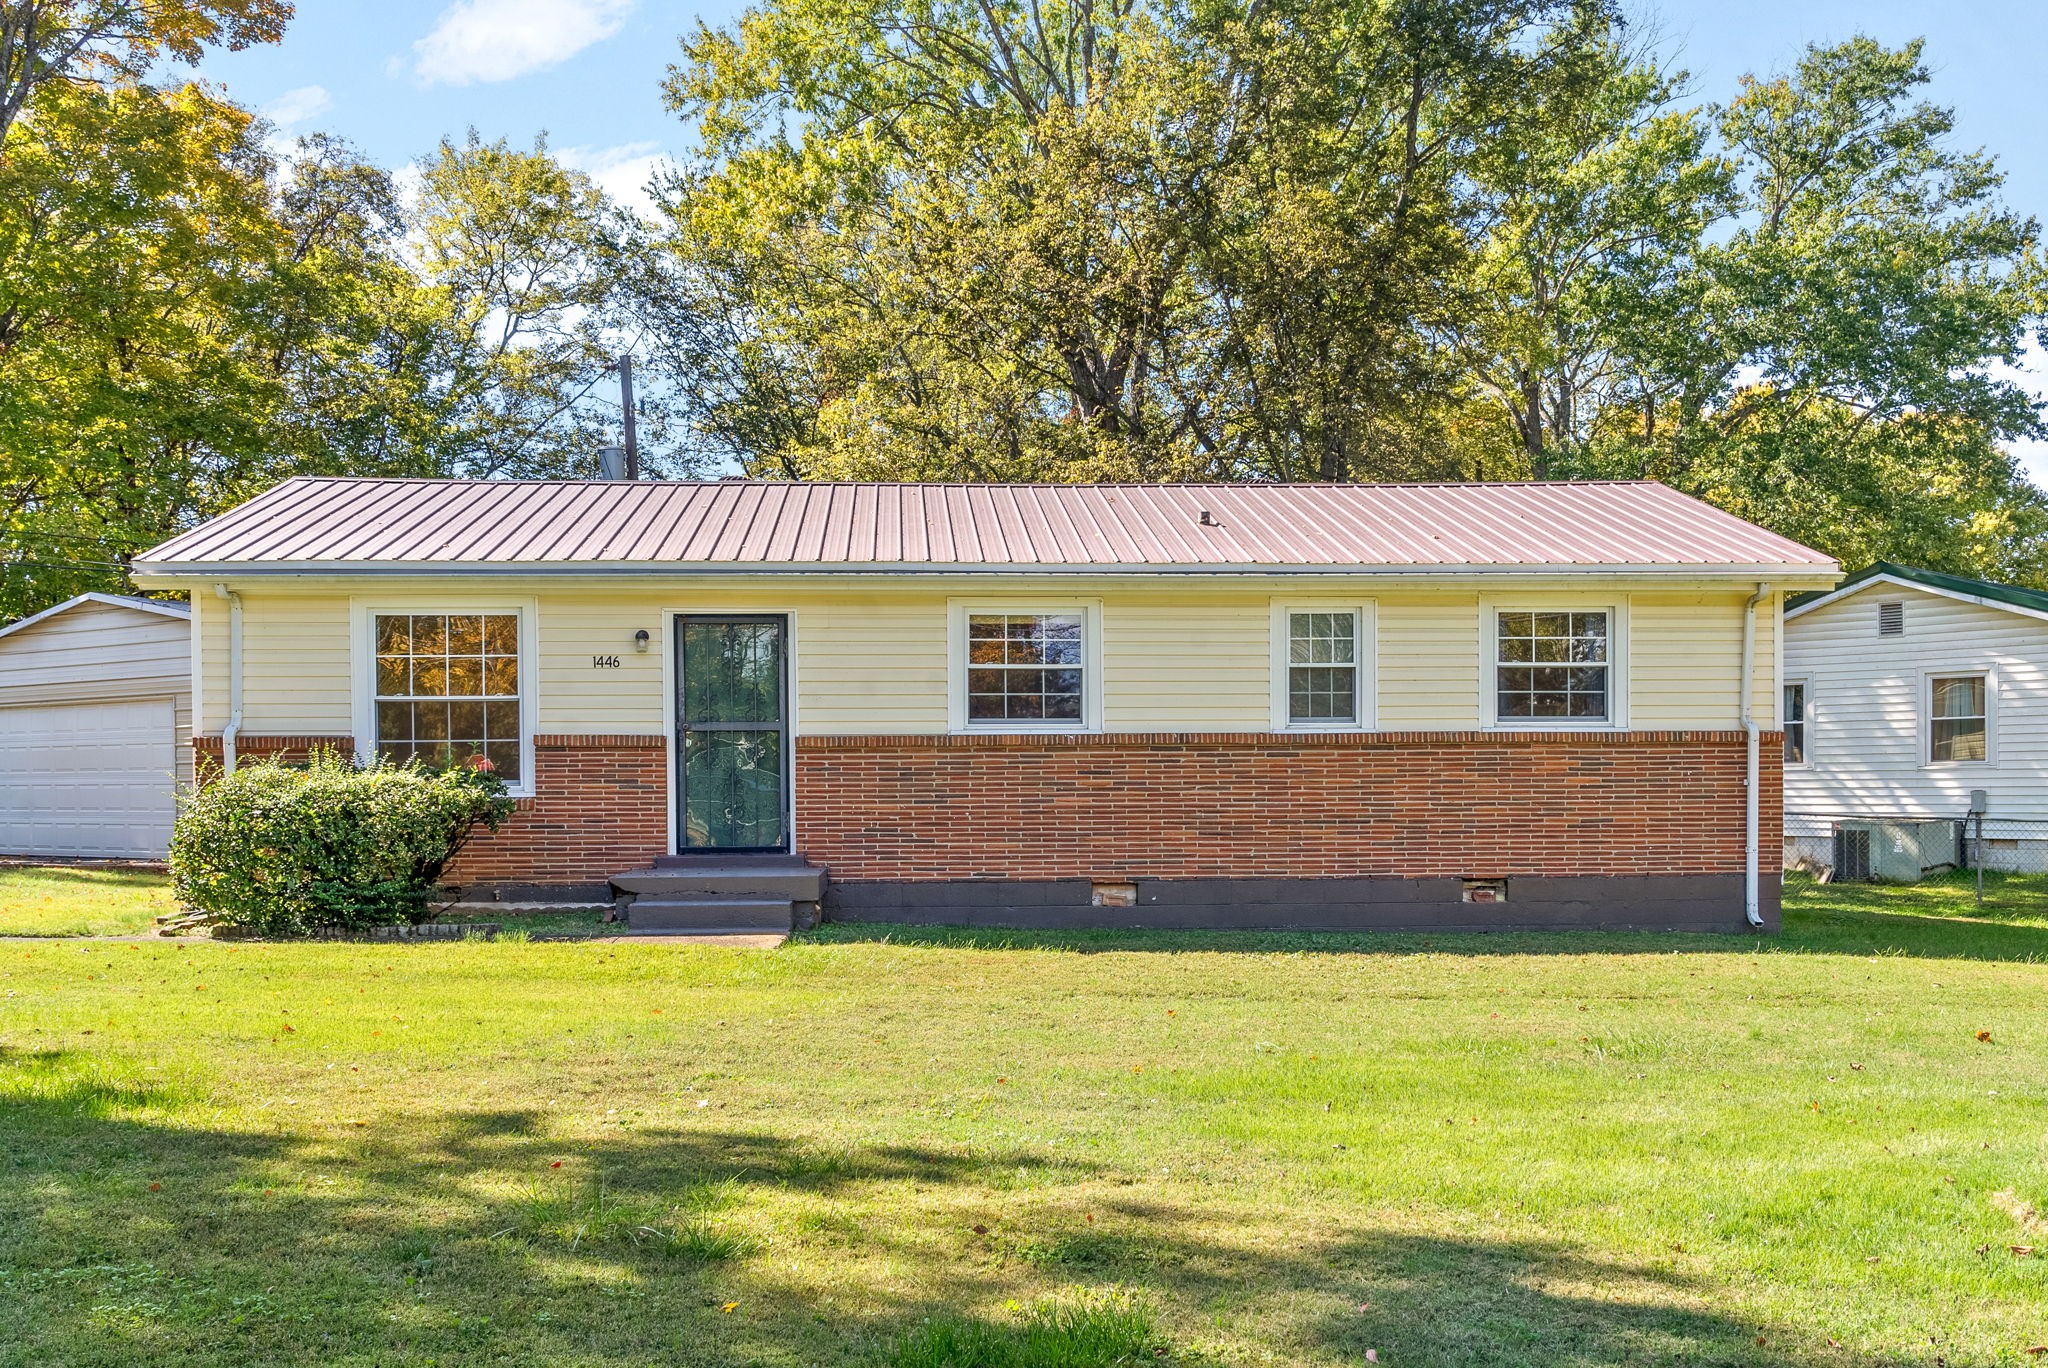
{"type": "Point", "coordinates": [1997, 860]}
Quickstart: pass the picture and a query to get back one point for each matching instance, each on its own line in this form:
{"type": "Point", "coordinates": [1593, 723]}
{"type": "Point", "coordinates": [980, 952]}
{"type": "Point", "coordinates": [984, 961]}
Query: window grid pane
{"type": "Point", "coordinates": [1795, 724]}
{"type": "Point", "coordinates": [1025, 667]}
{"type": "Point", "coordinates": [1322, 669]}
{"type": "Point", "coordinates": [1552, 665]}
{"type": "Point", "coordinates": [447, 689]}
{"type": "Point", "coordinates": [1958, 731]}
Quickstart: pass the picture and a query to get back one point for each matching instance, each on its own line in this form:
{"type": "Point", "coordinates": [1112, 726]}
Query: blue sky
{"type": "Point", "coordinates": [394, 76]}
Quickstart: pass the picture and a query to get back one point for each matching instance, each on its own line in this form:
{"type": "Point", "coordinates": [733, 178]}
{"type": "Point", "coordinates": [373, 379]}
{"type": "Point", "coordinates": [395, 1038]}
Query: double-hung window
{"type": "Point", "coordinates": [1554, 666]}
{"type": "Point", "coordinates": [1027, 668]}
{"type": "Point", "coordinates": [1794, 722]}
{"type": "Point", "coordinates": [1957, 718]}
{"type": "Point", "coordinates": [447, 689]}
{"type": "Point", "coordinates": [1324, 654]}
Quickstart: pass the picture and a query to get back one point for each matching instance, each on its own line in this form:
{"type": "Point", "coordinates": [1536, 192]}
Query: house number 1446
{"type": "Point", "coordinates": [604, 662]}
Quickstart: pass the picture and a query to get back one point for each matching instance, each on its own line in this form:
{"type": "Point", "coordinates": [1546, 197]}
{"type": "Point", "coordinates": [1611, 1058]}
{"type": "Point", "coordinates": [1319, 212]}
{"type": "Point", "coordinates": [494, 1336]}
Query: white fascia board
{"type": "Point", "coordinates": [1792, 577]}
{"type": "Point", "coordinates": [169, 610]}
{"type": "Point", "coordinates": [1899, 581]}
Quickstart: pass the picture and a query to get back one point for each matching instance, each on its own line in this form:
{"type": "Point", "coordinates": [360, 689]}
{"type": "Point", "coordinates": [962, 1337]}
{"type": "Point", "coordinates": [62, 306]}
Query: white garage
{"type": "Point", "coordinates": [95, 725]}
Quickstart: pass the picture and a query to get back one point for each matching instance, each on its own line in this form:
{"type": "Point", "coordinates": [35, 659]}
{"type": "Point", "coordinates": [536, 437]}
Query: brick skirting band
{"type": "Point", "coordinates": [1356, 830]}
{"type": "Point", "coordinates": [1633, 821]}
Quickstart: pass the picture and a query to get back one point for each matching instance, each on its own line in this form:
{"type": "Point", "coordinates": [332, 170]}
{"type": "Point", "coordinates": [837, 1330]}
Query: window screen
{"type": "Point", "coordinates": [1025, 667]}
{"type": "Point", "coordinates": [1322, 667]}
{"type": "Point", "coordinates": [1958, 718]}
{"type": "Point", "coordinates": [1552, 665]}
{"type": "Point", "coordinates": [1795, 724]}
{"type": "Point", "coordinates": [448, 689]}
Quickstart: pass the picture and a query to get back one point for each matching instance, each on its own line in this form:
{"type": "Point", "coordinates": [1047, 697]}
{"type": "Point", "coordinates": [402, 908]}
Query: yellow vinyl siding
{"type": "Point", "coordinates": [1187, 663]}
{"type": "Point", "coordinates": [870, 655]}
{"type": "Point", "coordinates": [295, 663]}
{"type": "Point", "coordinates": [1685, 659]}
{"type": "Point", "coordinates": [865, 662]}
{"type": "Point", "coordinates": [1429, 661]}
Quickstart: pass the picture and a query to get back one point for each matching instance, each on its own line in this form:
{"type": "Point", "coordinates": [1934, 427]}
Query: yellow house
{"type": "Point", "coordinates": [1325, 706]}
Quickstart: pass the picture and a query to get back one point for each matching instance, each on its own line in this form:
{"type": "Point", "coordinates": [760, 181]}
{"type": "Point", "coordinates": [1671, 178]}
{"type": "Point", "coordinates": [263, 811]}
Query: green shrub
{"type": "Point", "coordinates": [281, 851]}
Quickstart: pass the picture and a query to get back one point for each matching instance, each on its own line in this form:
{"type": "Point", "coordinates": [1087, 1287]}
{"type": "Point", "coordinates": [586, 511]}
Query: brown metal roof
{"type": "Point", "coordinates": [351, 524]}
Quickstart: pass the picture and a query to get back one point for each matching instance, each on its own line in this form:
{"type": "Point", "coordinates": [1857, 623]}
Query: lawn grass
{"type": "Point", "coordinates": [81, 900]}
{"type": "Point", "coordinates": [911, 1147]}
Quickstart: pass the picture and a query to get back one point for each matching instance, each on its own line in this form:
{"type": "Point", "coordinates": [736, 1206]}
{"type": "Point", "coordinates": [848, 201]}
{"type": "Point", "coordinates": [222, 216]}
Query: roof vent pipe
{"type": "Point", "coordinates": [611, 462]}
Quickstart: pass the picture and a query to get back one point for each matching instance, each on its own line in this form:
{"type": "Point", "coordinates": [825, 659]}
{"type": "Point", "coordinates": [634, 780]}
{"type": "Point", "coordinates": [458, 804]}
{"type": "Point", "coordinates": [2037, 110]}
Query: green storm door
{"type": "Point", "coordinates": [732, 733]}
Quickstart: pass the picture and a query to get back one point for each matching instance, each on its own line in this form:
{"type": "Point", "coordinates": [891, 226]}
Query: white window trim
{"type": "Point", "coordinates": [957, 613]}
{"type": "Point", "coordinates": [1490, 609]}
{"type": "Point", "coordinates": [1927, 678]}
{"type": "Point", "coordinates": [363, 614]}
{"type": "Point", "coordinates": [1365, 707]}
{"type": "Point", "coordinates": [1805, 718]}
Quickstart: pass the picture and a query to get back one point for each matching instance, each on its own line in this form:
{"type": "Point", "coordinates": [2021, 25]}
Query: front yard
{"type": "Point", "coordinates": [1243, 1149]}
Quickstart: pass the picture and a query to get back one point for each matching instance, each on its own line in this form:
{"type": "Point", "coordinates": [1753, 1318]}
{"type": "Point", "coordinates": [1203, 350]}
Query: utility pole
{"type": "Point", "coordinates": [626, 407]}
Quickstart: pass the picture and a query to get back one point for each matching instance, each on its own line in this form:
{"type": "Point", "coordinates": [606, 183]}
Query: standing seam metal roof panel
{"type": "Point", "coordinates": [343, 522]}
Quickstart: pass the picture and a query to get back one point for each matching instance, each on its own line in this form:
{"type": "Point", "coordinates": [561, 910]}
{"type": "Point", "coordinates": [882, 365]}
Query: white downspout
{"type": "Point", "coordinates": [233, 733]}
{"type": "Point", "coordinates": [1751, 904]}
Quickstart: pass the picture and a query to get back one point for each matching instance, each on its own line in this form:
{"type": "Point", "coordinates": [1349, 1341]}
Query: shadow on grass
{"type": "Point", "coordinates": [131, 1232]}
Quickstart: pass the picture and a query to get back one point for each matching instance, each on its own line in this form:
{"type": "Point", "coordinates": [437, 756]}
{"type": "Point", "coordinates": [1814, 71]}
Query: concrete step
{"type": "Point", "coordinates": [791, 879]}
{"type": "Point", "coordinates": [711, 916]}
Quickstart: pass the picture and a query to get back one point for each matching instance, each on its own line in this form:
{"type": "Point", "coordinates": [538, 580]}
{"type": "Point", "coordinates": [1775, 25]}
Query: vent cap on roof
{"type": "Point", "coordinates": [1891, 619]}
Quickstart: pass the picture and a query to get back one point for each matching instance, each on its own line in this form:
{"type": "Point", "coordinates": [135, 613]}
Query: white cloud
{"type": "Point", "coordinates": [296, 106]}
{"type": "Point", "coordinates": [496, 40]}
{"type": "Point", "coordinates": [621, 172]}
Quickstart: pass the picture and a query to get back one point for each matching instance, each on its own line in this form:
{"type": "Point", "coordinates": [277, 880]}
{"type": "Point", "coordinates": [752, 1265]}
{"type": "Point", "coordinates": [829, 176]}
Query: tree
{"type": "Point", "coordinates": [115, 42]}
{"type": "Point", "coordinates": [131, 395]}
{"type": "Point", "coordinates": [525, 265]}
{"type": "Point", "coordinates": [1129, 240]}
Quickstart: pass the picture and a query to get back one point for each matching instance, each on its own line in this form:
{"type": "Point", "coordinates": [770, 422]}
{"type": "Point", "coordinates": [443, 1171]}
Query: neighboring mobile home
{"type": "Point", "coordinates": [95, 727]}
{"type": "Point", "coordinates": [1905, 692]}
{"type": "Point", "coordinates": [1331, 706]}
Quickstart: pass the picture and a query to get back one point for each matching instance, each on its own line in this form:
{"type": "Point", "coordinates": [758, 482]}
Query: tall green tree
{"type": "Point", "coordinates": [114, 42]}
{"type": "Point", "coordinates": [940, 239]}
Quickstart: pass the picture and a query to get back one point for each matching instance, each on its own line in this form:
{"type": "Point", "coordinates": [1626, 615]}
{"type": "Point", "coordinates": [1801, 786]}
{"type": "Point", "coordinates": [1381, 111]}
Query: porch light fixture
{"type": "Point", "coordinates": [640, 640]}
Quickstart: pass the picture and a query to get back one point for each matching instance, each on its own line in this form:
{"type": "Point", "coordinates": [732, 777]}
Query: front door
{"type": "Point", "coordinates": [732, 733]}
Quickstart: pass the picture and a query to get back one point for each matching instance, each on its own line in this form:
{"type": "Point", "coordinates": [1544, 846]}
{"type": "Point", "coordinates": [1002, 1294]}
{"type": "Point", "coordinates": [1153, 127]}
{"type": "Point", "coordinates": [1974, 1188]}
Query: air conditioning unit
{"type": "Point", "coordinates": [1896, 851]}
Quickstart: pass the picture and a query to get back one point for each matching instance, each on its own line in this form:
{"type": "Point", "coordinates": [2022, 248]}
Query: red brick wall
{"type": "Point", "coordinates": [1480, 804]}
{"type": "Point", "coordinates": [600, 807]}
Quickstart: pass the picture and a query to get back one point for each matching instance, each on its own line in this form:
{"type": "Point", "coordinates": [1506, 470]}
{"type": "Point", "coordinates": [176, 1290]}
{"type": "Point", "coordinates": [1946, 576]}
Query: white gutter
{"type": "Point", "coordinates": [229, 737]}
{"type": "Point", "coordinates": [1751, 905]}
{"type": "Point", "coordinates": [837, 570]}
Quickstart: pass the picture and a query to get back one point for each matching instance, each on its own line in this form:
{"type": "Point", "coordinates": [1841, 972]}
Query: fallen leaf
{"type": "Point", "coordinates": [2021, 1251]}
{"type": "Point", "coordinates": [981, 1230]}
{"type": "Point", "coordinates": [2037, 1349]}
{"type": "Point", "coordinates": [156, 1187]}
{"type": "Point", "coordinates": [1984, 1036]}
{"type": "Point", "coordinates": [556, 1164]}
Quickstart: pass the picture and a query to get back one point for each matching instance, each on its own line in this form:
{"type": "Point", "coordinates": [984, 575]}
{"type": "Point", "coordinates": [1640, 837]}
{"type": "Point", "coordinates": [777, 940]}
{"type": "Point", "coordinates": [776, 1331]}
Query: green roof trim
{"type": "Point", "coordinates": [2032, 599]}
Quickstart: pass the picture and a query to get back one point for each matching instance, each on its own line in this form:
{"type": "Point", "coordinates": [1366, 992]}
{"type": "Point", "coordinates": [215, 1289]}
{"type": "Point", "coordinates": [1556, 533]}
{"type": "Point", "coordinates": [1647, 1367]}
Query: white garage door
{"type": "Point", "coordinates": [88, 778]}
